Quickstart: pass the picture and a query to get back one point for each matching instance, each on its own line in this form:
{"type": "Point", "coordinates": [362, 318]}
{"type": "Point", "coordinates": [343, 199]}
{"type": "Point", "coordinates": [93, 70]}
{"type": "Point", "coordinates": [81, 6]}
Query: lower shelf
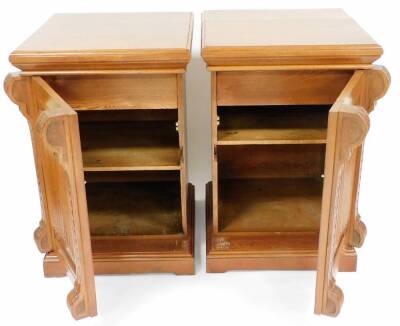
{"type": "Point", "coordinates": [264, 250]}
{"type": "Point", "coordinates": [138, 254]}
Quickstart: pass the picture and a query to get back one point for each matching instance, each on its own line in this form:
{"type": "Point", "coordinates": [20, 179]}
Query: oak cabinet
{"type": "Point", "coordinates": [104, 98]}
{"type": "Point", "coordinates": [291, 95]}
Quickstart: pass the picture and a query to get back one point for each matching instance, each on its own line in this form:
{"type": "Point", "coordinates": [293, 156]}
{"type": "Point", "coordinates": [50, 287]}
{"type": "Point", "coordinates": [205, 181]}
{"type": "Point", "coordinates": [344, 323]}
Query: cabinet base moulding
{"type": "Point", "coordinates": [166, 254]}
{"type": "Point", "coordinates": [125, 265]}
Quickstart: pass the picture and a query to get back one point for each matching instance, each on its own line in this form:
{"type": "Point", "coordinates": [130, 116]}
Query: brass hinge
{"type": "Point", "coordinates": [215, 151]}
{"type": "Point", "coordinates": [177, 126]}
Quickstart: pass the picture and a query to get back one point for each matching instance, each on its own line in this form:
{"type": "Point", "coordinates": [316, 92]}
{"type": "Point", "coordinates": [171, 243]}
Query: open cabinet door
{"type": "Point", "coordinates": [57, 127]}
{"type": "Point", "coordinates": [348, 125]}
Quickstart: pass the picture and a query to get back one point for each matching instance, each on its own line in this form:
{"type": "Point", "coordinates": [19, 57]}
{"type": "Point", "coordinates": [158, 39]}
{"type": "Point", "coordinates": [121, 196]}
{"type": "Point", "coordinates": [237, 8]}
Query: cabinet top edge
{"type": "Point", "coordinates": [108, 41]}
{"type": "Point", "coordinates": [306, 36]}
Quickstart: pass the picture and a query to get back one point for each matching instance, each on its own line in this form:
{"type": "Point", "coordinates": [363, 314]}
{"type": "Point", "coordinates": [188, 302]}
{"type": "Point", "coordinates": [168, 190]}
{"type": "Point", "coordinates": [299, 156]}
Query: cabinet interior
{"type": "Point", "coordinates": [131, 161]}
{"type": "Point", "coordinates": [270, 169]}
{"type": "Point", "coordinates": [129, 140]}
{"type": "Point", "coordinates": [134, 203]}
{"type": "Point", "coordinates": [293, 124]}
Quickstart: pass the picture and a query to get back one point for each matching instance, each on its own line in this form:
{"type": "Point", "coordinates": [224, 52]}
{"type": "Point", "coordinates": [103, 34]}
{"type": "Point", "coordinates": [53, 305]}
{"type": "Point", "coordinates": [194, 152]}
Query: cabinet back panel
{"type": "Point", "coordinates": [265, 161]}
{"type": "Point", "coordinates": [280, 87]}
{"type": "Point", "coordinates": [131, 176]}
{"type": "Point", "coordinates": [134, 208]}
{"type": "Point", "coordinates": [129, 145]}
{"type": "Point", "coordinates": [102, 92]}
{"type": "Point", "coordinates": [128, 115]}
{"type": "Point", "coordinates": [272, 124]}
{"type": "Point", "coordinates": [270, 205]}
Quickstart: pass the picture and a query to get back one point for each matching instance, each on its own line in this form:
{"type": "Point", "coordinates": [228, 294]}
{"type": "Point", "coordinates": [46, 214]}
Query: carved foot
{"type": "Point", "coordinates": [359, 233]}
{"type": "Point", "coordinates": [335, 301]}
{"type": "Point", "coordinates": [41, 238]}
{"type": "Point", "coordinates": [77, 304]}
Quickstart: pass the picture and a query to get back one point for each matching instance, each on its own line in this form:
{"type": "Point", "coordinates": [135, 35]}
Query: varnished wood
{"type": "Point", "coordinates": [264, 250]}
{"type": "Point", "coordinates": [112, 146]}
{"type": "Point", "coordinates": [58, 125]}
{"type": "Point", "coordinates": [118, 91]}
{"type": "Point", "coordinates": [134, 208]}
{"type": "Point", "coordinates": [280, 87]}
{"type": "Point", "coordinates": [347, 127]}
{"type": "Point", "coordinates": [268, 125]}
{"type": "Point", "coordinates": [285, 37]}
{"type": "Point", "coordinates": [139, 254]}
{"type": "Point", "coordinates": [263, 161]}
{"type": "Point", "coordinates": [214, 149]}
{"type": "Point", "coordinates": [181, 129]}
{"type": "Point", "coordinates": [104, 92]}
{"type": "Point", "coordinates": [108, 41]}
{"type": "Point", "coordinates": [266, 61]}
{"type": "Point", "coordinates": [301, 67]}
{"type": "Point", "coordinates": [270, 205]}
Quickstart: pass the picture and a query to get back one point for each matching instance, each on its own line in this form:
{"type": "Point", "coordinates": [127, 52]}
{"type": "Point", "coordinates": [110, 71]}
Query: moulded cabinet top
{"type": "Point", "coordinates": [279, 37]}
{"type": "Point", "coordinates": [108, 41]}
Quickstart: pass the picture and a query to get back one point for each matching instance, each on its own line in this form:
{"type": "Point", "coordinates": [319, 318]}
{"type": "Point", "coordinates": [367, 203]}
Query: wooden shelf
{"type": "Point", "coordinates": [270, 205]}
{"type": "Point", "coordinates": [272, 125]}
{"type": "Point", "coordinates": [130, 146]}
{"type": "Point", "coordinates": [134, 208]}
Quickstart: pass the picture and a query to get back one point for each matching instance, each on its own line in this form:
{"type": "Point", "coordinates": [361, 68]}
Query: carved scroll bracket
{"type": "Point", "coordinates": [41, 236]}
{"type": "Point", "coordinates": [50, 125]}
{"type": "Point", "coordinates": [354, 126]}
{"type": "Point", "coordinates": [16, 87]}
{"type": "Point", "coordinates": [377, 82]}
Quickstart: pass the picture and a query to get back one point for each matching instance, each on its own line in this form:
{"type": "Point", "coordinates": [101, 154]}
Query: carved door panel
{"type": "Point", "coordinates": [57, 127]}
{"type": "Point", "coordinates": [348, 125]}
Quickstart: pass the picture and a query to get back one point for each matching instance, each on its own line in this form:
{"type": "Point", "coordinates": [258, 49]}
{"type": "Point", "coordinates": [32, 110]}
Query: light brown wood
{"type": "Point", "coordinates": [285, 37]}
{"type": "Point", "coordinates": [347, 127]}
{"type": "Point", "coordinates": [263, 161]}
{"type": "Point", "coordinates": [134, 208]}
{"type": "Point", "coordinates": [57, 124]}
{"type": "Point", "coordinates": [264, 250]}
{"type": "Point", "coordinates": [19, 91]}
{"type": "Point", "coordinates": [103, 92]}
{"type": "Point", "coordinates": [214, 155]}
{"type": "Point", "coordinates": [263, 211]}
{"type": "Point", "coordinates": [280, 87]}
{"type": "Point", "coordinates": [115, 83]}
{"type": "Point", "coordinates": [270, 205]}
{"type": "Point", "coordinates": [108, 41]}
{"type": "Point", "coordinates": [271, 125]}
{"type": "Point", "coordinates": [181, 129]}
{"type": "Point", "coordinates": [301, 67]}
{"type": "Point", "coordinates": [140, 253]}
{"type": "Point", "coordinates": [113, 146]}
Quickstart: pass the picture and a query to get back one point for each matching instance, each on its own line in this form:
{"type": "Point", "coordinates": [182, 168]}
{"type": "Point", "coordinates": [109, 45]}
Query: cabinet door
{"type": "Point", "coordinates": [57, 126]}
{"type": "Point", "coordinates": [348, 125]}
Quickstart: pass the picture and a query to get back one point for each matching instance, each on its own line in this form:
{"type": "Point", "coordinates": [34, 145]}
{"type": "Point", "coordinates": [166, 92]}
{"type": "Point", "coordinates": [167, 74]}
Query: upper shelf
{"type": "Point", "coordinates": [130, 146]}
{"type": "Point", "coordinates": [272, 125]}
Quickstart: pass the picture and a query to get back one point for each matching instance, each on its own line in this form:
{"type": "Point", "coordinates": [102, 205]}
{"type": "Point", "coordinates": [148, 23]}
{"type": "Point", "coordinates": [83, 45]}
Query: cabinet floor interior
{"type": "Point", "coordinates": [270, 204]}
{"type": "Point", "coordinates": [134, 208]}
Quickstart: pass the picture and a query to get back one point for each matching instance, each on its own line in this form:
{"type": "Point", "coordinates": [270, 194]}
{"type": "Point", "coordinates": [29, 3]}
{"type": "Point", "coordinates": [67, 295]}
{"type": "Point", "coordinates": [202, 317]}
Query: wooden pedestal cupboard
{"type": "Point", "coordinates": [104, 98]}
{"type": "Point", "coordinates": [291, 95]}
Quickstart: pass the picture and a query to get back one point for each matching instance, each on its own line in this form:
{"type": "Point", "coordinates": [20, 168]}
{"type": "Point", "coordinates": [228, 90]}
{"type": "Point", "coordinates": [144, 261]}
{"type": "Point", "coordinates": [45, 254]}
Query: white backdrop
{"type": "Point", "coordinates": [234, 298]}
